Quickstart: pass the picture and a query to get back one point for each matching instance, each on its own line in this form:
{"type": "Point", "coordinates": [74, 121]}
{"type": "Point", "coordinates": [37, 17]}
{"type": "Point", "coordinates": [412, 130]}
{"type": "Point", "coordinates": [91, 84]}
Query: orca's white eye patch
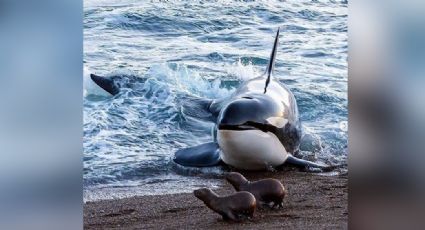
{"type": "Point", "coordinates": [278, 122]}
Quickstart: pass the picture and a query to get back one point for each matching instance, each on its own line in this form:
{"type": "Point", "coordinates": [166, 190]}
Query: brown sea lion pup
{"type": "Point", "coordinates": [235, 207]}
{"type": "Point", "coordinates": [265, 190]}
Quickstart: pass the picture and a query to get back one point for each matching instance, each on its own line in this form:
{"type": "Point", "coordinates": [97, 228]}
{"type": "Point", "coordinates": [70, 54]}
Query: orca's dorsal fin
{"type": "Point", "coordinates": [272, 60]}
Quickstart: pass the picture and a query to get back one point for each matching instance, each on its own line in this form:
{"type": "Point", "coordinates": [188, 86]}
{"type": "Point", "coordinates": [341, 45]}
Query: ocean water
{"type": "Point", "coordinates": [164, 52]}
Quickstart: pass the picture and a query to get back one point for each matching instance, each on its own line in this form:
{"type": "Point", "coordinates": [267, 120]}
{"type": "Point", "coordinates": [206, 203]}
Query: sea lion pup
{"type": "Point", "coordinates": [265, 190]}
{"type": "Point", "coordinates": [234, 207]}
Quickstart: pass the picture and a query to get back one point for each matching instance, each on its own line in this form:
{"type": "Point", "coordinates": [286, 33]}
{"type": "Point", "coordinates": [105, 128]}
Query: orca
{"type": "Point", "coordinates": [256, 128]}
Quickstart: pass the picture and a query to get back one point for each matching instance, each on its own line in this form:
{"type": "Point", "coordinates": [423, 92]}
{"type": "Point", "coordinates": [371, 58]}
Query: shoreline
{"type": "Point", "coordinates": [313, 202]}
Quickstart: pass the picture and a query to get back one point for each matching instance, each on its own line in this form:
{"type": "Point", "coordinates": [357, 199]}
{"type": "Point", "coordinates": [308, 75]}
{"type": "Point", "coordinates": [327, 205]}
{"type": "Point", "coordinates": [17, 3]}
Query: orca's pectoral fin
{"type": "Point", "coordinates": [308, 165]}
{"type": "Point", "coordinates": [105, 83]}
{"type": "Point", "coordinates": [203, 155]}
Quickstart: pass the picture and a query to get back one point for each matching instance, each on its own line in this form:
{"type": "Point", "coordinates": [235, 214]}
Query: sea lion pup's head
{"type": "Point", "coordinates": [236, 180]}
{"type": "Point", "coordinates": [203, 193]}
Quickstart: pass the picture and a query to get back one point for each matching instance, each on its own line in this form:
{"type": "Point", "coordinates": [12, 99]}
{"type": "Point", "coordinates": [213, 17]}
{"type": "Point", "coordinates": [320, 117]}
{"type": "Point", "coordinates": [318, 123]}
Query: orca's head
{"type": "Point", "coordinates": [250, 132]}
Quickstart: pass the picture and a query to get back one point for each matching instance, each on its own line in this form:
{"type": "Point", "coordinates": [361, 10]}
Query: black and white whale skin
{"type": "Point", "coordinates": [257, 127]}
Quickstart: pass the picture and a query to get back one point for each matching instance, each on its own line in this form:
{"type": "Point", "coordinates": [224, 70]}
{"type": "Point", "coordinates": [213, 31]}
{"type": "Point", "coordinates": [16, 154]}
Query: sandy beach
{"type": "Point", "coordinates": [313, 202]}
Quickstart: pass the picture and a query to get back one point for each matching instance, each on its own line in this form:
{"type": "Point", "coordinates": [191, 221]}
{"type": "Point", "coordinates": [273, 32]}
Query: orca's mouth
{"type": "Point", "coordinates": [235, 127]}
{"type": "Point", "coordinates": [249, 125]}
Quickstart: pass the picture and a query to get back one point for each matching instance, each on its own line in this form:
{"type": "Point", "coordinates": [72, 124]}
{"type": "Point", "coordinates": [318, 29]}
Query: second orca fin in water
{"type": "Point", "coordinates": [105, 83]}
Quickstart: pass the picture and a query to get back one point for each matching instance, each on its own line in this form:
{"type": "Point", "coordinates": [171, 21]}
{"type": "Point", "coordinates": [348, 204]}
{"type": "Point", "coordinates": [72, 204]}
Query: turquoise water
{"type": "Point", "coordinates": [164, 52]}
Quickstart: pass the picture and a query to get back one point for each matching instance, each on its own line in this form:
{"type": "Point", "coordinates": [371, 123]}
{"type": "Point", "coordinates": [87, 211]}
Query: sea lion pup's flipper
{"type": "Point", "coordinates": [203, 155]}
{"type": "Point", "coordinates": [105, 83]}
{"type": "Point", "coordinates": [300, 163]}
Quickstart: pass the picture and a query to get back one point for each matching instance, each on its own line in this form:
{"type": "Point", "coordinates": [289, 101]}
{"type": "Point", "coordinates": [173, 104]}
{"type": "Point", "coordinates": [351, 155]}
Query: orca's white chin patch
{"type": "Point", "coordinates": [251, 149]}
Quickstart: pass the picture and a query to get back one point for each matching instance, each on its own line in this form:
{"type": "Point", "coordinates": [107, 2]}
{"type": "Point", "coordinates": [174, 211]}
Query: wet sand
{"type": "Point", "coordinates": [313, 202]}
